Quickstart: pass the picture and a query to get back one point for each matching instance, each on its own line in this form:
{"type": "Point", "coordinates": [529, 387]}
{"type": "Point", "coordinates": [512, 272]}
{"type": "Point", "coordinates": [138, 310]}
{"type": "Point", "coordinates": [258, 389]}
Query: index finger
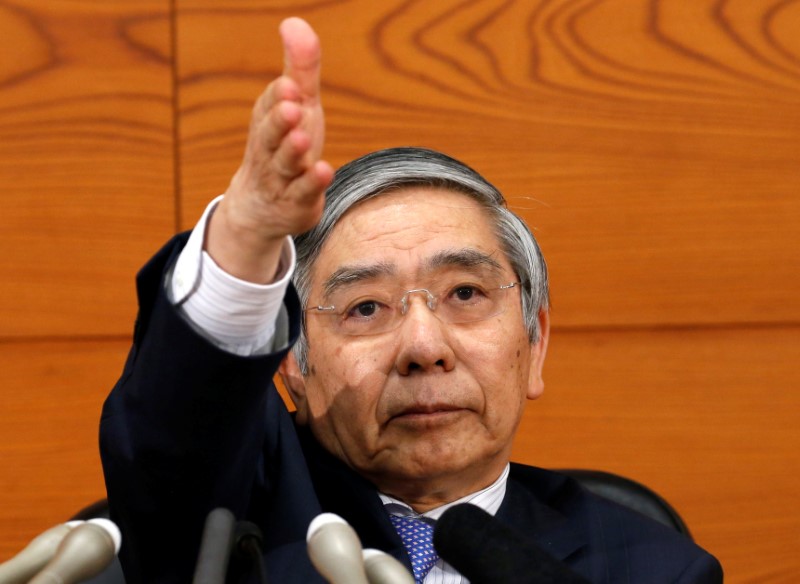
{"type": "Point", "coordinates": [301, 55]}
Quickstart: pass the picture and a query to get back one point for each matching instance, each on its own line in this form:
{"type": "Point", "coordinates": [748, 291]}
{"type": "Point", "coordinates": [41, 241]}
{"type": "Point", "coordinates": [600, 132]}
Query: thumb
{"type": "Point", "coordinates": [301, 55]}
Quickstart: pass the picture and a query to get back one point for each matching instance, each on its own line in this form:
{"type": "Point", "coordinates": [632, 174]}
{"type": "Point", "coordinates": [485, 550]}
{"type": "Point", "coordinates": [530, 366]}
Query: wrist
{"type": "Point", "coordinates": [241, 250]}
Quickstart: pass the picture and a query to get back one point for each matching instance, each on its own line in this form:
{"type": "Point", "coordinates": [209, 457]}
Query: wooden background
{"type": "Point", "coordinates": [652, 144]}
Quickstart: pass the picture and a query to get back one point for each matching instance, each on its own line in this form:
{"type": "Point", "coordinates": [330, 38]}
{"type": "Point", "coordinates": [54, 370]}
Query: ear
{"type": "Point", "coordinates": [538, 353]}
{"type": "Point", "coordinates": [295, 384]}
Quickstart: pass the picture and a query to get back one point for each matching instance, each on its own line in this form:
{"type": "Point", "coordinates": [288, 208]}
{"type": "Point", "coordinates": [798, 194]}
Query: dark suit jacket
{"type": "Point", "coordinates": [189, 428]}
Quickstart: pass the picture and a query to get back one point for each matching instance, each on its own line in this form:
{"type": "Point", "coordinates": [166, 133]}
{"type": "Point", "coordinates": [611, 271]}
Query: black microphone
{"type": "Point", "coordinates": [487, 551]}
{"type": "Point", "coordinates": [248, 546]}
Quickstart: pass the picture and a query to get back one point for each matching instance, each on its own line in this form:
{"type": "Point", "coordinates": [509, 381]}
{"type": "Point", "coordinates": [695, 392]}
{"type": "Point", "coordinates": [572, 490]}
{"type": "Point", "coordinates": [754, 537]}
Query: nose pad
{"type": "Point", "coordinates": [424, 346]}
{"type": "Point", "coordinates": [430, 299]}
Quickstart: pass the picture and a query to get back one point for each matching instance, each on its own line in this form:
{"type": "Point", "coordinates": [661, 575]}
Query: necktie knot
{"type": "Point", "coordinates": [417, 536]}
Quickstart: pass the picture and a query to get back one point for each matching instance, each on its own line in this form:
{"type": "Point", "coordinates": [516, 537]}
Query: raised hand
{"type": "Point", "coordinates": [279, 188]}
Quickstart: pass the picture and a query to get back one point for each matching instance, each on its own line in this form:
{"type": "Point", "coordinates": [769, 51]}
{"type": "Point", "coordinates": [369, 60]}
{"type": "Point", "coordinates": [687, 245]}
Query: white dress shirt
{"type": "Point", "coordinates": [249, 319]}
{"type": "Point", "coordinates": [488, 499]}
{"type": "Point", "coordinates": [238, 316]}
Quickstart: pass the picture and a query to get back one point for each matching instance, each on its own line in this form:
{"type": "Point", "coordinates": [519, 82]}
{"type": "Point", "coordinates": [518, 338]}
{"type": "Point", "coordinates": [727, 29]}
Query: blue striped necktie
{"type": "Point", "coordinates": [417, 536]}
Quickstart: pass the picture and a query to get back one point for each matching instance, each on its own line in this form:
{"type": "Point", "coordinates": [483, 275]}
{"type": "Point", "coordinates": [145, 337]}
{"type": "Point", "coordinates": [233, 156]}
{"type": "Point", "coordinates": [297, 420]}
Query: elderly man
{"type": "Point", "coordinates": [420, 330]}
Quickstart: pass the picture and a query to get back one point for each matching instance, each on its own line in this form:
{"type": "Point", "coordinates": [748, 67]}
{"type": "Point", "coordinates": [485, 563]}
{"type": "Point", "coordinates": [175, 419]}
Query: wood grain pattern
{"type": "Point", "coordinates": [631, 135]}
{"type": "Point", "coordinates": [52, 394]}
{"type": "Point", "coordinates": [651, 144]}
{"type": "Point", "coordinates": [86, 161]}
{"type": "Point", "coordinates": [653, 147]}
{"type": "Point", "coordinates": [708, 418]}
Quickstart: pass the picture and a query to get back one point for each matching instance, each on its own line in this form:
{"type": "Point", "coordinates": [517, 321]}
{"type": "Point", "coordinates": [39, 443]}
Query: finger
{"type": "Point", "coordinates": [280, 120]}
{"type": "Point", "coordinates": [282, 89]}
{"type": "Point", "coordinates": [302, 55]}
{"type": "Point", "coordinates": [288, 159]}
{"type": "Point", "coordinates": [312, 182]}
{"type": "Point", "coordinates": [308, 190]}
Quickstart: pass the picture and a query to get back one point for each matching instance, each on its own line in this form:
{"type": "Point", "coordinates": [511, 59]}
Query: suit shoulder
{"type": "Point", "coordinates": [617, 540]}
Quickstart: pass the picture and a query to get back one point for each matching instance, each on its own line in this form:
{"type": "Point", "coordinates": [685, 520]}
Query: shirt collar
{"type": "Point", "coordinates": [488, 499]}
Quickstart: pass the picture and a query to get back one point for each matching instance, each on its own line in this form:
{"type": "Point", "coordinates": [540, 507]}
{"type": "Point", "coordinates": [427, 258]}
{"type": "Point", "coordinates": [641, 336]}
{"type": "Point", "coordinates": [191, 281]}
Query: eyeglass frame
{"type": "Point", "coordinates": [432, 304]}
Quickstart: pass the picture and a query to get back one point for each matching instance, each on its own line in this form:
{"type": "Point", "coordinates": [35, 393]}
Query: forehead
{"type": "Point", "coordinates": [406, 228]}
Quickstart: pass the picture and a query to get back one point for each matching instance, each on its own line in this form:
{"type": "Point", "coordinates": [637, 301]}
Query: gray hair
{"type": "Point", "coordinates": [398, 168]}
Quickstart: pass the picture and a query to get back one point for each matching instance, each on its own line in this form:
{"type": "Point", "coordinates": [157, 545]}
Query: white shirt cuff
{"type": "Point", "coordinates": [238, 316]}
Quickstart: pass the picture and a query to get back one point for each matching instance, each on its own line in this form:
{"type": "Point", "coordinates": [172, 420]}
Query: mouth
{"type": "Point", "coordinates": [428, 413]}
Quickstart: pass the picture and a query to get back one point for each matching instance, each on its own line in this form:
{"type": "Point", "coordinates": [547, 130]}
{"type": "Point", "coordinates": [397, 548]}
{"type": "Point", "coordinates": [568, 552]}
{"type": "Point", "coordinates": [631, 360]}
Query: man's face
{"type": "Point", "coordinates": [428, 410]}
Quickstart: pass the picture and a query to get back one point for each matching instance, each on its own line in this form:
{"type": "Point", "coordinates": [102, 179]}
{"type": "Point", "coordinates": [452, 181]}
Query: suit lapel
{"type": "Point", "coordinates": [347, 494]}
{"type": "Point", "coordinates": [532, 505]}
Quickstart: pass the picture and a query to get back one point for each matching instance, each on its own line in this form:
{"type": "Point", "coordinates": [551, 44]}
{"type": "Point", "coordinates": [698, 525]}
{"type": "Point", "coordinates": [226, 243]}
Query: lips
{"type": "Point", "coordinates": [426, 410]}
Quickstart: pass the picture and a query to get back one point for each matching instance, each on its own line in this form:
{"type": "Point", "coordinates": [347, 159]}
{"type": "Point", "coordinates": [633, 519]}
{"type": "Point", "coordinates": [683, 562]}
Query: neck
{"type": "Point", "coordinates": [426, 495]}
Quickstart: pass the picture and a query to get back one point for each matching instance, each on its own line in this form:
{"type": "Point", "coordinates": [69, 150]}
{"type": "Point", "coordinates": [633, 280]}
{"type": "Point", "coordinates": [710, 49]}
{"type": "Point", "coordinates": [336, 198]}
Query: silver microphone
{"type": "Point", "coordinates": [84, 552]}
{"type": "Point", "coordinates": [384, 569]}
{"type": "Point", "coordinates": [335, 550]}
{"type": "Point", "coordinates": [40, 550]}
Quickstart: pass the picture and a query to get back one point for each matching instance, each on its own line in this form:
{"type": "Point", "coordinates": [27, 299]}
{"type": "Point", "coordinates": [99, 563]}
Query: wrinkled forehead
{"type": "Point", "coordinates": [412, 230]}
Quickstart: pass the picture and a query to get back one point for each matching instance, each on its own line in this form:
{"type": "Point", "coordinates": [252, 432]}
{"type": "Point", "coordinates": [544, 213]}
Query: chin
{"type": "Point", "coordinates": [430, 465]}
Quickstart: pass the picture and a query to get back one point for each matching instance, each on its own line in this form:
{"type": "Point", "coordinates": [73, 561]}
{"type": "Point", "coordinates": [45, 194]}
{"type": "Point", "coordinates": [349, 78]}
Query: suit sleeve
{"type": "Point", "coordinates": [705, 570]}
{"type": "Point", "coordinates": [186, 429]}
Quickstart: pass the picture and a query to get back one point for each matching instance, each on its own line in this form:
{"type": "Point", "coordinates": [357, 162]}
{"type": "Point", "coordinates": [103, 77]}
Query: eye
{"type": "Point", "coordinates": [464, 292]}
{"type": "Point", "coordinates": [364, 309]}
{"type": "Point", "coordinates": [467, 294]}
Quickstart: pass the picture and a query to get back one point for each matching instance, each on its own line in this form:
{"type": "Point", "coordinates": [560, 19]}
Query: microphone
{"type": "Point", "coordinates": [487, 551]}
{"type": "Point", "coordinates": [215, 547]}
{"type": "Point", "coordinates": [84, 552]}
{"type": "Point", "coordinates": [382, 568]}
{"type": "Point", "coordinates": [34, 557]}
{"type": "Point", "coordinates": [335, 550]}
{"type": "Point", "coordinates": [248, 545]}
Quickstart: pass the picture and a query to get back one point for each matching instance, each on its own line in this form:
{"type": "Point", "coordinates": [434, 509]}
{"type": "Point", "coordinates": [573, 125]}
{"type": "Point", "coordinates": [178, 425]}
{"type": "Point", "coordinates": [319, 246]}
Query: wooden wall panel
{"type": "Point", "coordinates": [653, 145]}
{"type": "Point", "coordinates": [88, 190]}
{"type": "Point", "coordinates": [85, 159]}
{"type": "Point", "coordinates": [52, 394]}
{"type": "Point", "coordinates": [706, 417]}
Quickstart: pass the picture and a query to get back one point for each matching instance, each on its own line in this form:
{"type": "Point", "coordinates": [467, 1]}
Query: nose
{"type": "Point", "coordinates": [424, 340]}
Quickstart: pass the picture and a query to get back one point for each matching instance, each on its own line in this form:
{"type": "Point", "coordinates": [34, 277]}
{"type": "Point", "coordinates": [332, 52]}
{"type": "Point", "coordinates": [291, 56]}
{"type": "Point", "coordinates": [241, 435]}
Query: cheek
{"type": "Point", "coordinates": [343, 404]}
{"type": "Point", "coordinates": [521, 362]}
{"type": "Point", "coordinates": [346, 378]}
{"type": "Point", "coordinates": [500, 365]}
{"type": "Point", "coordinates": [493, 356]}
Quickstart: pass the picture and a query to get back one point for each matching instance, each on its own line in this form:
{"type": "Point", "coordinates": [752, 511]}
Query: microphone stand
{"type": "Point", "coordinates": [248, 541]}
{"type": "Point", "coordinates": [222, 534]}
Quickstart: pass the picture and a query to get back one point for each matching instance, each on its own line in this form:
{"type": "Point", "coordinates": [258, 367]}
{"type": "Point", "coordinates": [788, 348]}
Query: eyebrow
{"type": "Point", "coordinates": [353, 274]}
{"type": "Point", "coordinates": [349, 275]}
{"type": "Point", "coordinates": [463, 258]}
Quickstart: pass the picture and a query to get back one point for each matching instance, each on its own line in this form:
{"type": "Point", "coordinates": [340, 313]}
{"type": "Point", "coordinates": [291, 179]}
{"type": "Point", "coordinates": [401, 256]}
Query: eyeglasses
{"type": "Point", "coordinates": [381, 311]}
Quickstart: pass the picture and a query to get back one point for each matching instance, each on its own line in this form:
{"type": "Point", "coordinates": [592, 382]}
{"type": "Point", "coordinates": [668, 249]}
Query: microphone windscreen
{"type": "Point", "coordinates": [384, 569]}
{"type": "Point", "coordinates": [35, 556]}
{"type": "Point", "coordinates": [335, 550]}
{"type": "Point", "coordinates": [112, 529]}
{"type": "Point", "coordinates": [487, 551]}
{"type": "Point", "coordinates": [215, 547]}
{"type": "Point", "coordinates": [84, 552]}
